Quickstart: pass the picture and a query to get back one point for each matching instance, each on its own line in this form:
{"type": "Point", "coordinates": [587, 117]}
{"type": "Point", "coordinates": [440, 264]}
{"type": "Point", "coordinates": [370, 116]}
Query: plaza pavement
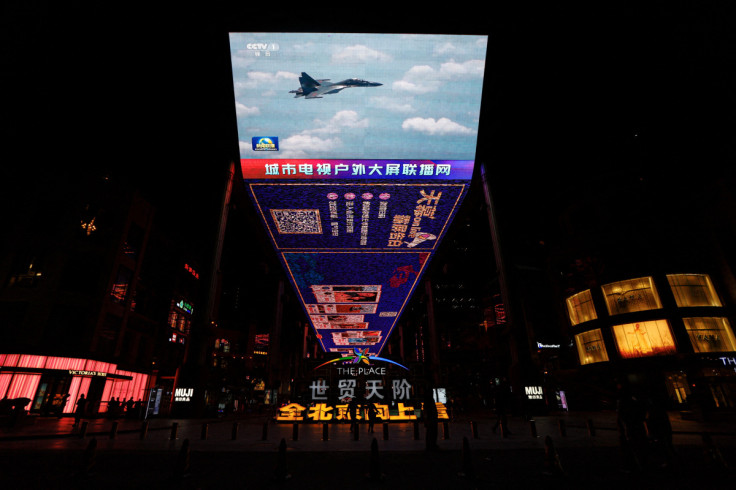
{"type": "Point", "coordinates": [253, 452]}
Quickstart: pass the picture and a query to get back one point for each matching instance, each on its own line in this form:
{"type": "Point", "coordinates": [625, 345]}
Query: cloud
{"type": "Point", "coordinates": [308, 47]}
{"type": "Point", "coordinates": [255, 80]}
{"type": "Point", "coordinates": [454, 70]}
{"type": "Point", "coordinates": [417, 88]}
{"type": "Point", "coordinates": [397, 105]}
{"type": "Point", "coordinates": [321, 136]}
{"type": "Point", "coordinates": [420, 79]}
{"type": "Point", "coordinates": [303, 145]}
{"type": "Point", "coordinates": [341, 120]}
{"type": "Point", "coordinates": [241, 59]}
{"type": "Point", "coordinates": [440, 127]}
{"type": "Point", "coordinates": [359, 53]}
{"type": "Point", "coordinates": [445, 48]}
{"type": "Point", "coordinates": [244, 111]}
{"type": "Point", "coordinates": [423, 79]}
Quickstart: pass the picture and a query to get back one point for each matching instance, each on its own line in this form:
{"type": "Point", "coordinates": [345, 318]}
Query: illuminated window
{"type": "Point", "coordinates": [644, 339]}
{"type": "Point", "coordinates": [183, 323]}
{"type": "Point", "coordinates": [120, 287]}
{"type": "Point", "coordinates": [580, 307]}
{"type": "Point", "coordinates": [631, 295]}
{"type": "Point", "coordinates": [179, 319]}
{"type": "Point", "coordinates": [173, 315]}
{"type": "Point", "coordinates": [177, 338]}
{"type": "Point", "coordinates": [677, 387]}
{"type": "Point", "coordinates": [710, 334]}
{"type": "Point", "coordinates": [261, 343]}
{"type": "Point", "coordinates": [591, 347]}
{"type": "Point", "coordinates": [693, 290]}
{"type": "Point", "coordinates": [27, 272]}
{"type": "Point", "coordinates": [222, 345]}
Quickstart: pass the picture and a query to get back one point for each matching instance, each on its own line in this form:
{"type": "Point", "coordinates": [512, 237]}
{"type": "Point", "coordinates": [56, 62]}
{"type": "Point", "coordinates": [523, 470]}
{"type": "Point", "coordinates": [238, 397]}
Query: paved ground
{"type": "Point", "coordinates": [52, 454]}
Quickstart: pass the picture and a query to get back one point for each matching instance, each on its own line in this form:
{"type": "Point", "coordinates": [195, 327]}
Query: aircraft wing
{"type": "Point", "coordinates": [322, 90]}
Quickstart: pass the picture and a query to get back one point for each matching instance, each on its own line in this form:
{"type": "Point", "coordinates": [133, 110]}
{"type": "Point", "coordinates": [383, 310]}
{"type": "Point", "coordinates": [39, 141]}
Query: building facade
{"type": "Point", "coordinates": [96, 298]}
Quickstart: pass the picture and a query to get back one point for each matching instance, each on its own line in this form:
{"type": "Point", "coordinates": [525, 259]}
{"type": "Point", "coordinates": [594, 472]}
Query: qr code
{"type": "Point", "coordinates": [297, 221]}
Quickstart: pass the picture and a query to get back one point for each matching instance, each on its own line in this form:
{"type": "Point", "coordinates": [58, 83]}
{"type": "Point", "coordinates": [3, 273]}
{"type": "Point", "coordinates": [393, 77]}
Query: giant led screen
{"type": "Point", "coordinates": [357, 151]}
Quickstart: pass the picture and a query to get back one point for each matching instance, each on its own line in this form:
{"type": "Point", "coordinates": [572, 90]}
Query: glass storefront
{"type": "Point", "coordinates": [710, 334]}
{"type": "Point", "coordinates": [45, 380]}
{"type": "Point", "coordinates": [580, 307]}
{"type": "Point", "coordinates": [701, 379]}
{"type": "Point", "coordinates": [591, 347]}
{"type": "Point", "coordinates": [631, 295]}
{"type": "Point", "coordinates": [643, 339]}
{"type": "Point", "coordinates": [677, 388]}
{"type": "Point", "coordinates": [693, 290]}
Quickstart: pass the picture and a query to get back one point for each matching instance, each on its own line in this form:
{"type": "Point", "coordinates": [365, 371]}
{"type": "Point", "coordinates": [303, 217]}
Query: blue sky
{"type": "Point", "coordinates": [427, 108]}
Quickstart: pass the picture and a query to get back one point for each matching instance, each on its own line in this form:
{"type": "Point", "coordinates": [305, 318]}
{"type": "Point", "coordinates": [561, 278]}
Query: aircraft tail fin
{"type": "Point", "coordinates": [308, 82]}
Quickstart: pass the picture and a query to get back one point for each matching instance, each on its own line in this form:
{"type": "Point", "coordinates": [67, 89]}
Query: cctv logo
{"type": "Point", "coordinates": [262, 46]}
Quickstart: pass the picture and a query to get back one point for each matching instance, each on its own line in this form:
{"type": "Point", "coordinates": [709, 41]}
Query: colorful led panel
{"type": "Point", "coordinates": [357, 151]}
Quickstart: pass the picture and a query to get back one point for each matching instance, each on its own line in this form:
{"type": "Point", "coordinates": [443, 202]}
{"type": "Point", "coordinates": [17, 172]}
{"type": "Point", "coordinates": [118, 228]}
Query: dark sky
{"type": "Point", "coordinates": [570, 90]}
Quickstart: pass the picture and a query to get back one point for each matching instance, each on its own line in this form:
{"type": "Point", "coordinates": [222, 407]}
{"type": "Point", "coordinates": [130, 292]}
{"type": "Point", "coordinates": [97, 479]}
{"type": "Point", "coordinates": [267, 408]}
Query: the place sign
{"type": "Point", "coordinates": [352, 363]}
{"type": "Point", "coordinates": [359, 371]}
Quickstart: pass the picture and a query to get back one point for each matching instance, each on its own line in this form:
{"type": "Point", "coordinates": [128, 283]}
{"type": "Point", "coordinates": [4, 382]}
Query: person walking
{"type": "Point", "coordinates": [112, 408]}
{"type": "Point", "coordinates": [501, 400]}
{"type": "Point", "coordinates": [372, 415]}
{"type": "Point", "coordinates": [353, 414]}
{"type": "Point", "coordinates": [80, 410]}
{"type": "Point", "coordinates": [129, 408]}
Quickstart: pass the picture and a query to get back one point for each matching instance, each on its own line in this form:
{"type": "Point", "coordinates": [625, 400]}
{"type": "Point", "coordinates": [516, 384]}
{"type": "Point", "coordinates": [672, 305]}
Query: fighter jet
{"type": "Point", "coordinates": [315, 89]}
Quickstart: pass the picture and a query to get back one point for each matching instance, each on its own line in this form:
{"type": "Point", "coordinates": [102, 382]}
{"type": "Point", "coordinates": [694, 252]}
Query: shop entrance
{"type": "Point", "coordinates": [50, 394]}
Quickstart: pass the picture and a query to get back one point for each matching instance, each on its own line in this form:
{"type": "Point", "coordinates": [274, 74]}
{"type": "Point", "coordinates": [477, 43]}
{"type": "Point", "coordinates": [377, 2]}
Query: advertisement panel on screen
{"type": "Point", "coordinates": [357, 151]}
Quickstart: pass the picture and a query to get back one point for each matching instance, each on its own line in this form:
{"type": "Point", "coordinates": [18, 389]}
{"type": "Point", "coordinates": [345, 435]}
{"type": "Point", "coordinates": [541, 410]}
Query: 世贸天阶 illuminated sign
{"type": "Point", "coordinates": [357, 151]}
{"type": "Point", "coordinates": [392, 402]}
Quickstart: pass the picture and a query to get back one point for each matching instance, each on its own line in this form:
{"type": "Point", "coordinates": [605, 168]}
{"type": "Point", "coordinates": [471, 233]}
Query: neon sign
{"type": "Point", "coordinates": [361, 356]}
{"type": "Point", "coordinates": [356, 191]}
{"type": "Point", "coordinates": [183, 394]}
{"type": "Point", "coordinates": [76, 372]}
{"type": "Point", "coordinates": [183, 305]}
{"type": "Point", "coordinates": [534, 392]}
{"type": "Point", "coordinates": [321, 411]}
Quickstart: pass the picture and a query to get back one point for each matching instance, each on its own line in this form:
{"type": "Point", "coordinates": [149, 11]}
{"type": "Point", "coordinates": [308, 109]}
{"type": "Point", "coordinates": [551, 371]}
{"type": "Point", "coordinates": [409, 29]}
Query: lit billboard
{"type": "Point", "coordinates": [357, 151]}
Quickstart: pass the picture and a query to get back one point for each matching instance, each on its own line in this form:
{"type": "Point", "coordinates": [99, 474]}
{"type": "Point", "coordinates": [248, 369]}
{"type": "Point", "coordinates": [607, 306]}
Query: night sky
{"type": "Point", "coordinates": [569, 91]}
